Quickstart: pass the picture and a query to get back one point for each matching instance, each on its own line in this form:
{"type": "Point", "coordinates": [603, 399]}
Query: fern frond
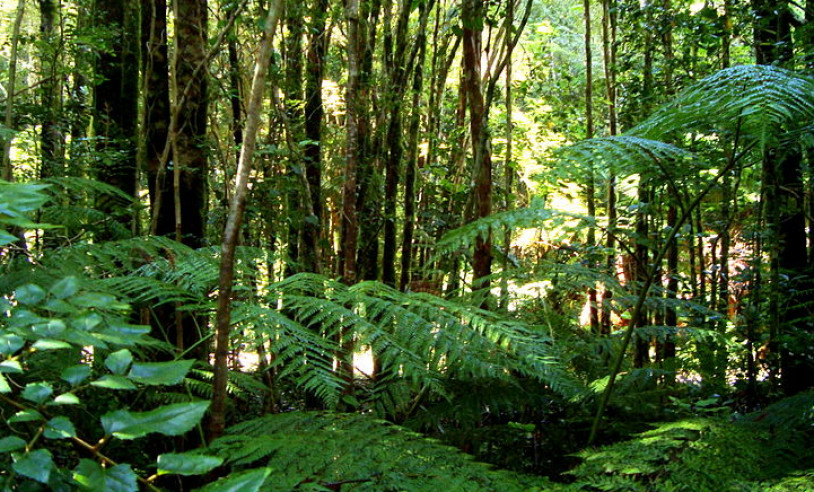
{"type": "Point", "coordinates": [761, 99]}
{"type": "Point", "coordinates": [625, 155]}
{"type": "Point", "coordinates": [323, 449]}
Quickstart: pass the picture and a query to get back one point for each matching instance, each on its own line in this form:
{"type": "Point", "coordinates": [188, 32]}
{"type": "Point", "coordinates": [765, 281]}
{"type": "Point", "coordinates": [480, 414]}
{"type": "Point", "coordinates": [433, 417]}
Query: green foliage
{"type": "Point", "coordinates": [63, 344]}
{"type": "Point", "coordinates": [17, 201]}
{"type": "Point", "coordinates": [315, 451]}
{"type": "Point", "coordinates": [757, 101]}
{"type": "Point", "coordinates": [768, 450]}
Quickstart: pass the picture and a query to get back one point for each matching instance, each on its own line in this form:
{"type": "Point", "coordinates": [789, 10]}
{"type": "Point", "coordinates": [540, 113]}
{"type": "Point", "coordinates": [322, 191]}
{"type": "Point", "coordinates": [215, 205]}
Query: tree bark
{"type": "Point", "coordinates": [317, 46]}
{"type": "Point", "coordinates": [472, 17]}
{"type": "Point", "coordinates": [157, 107]}
{"type": "Point", "coordinates": [52, 143]}
{"type": "Point", "coordinates": [398, 71]}
{"type": "Point", "coordinates": [412, 149]}
{"type": "Point", "coordinates": [217, 416]}
{"type": "Point", "coordinates": [785, 213]}
{"type": "Point", "coordinates": [190, 150]}
{"type": "Point", "coordinates": [115, 111]}
{"type": "Point", "coordinates": [11, 88]}
{"type": "Point", "coordinates": [295, 115]}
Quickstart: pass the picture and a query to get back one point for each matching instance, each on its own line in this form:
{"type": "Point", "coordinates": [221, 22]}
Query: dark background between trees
{"type": "Point", "coordinates": [525, 228]}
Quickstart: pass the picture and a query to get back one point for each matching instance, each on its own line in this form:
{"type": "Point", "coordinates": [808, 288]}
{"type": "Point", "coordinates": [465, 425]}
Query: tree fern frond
{"type": "Point", "coordinates": [625, 155]}
{"type": "Point", "coordinates": [323, 449]}
{"type": "Point", "coordinates": [87, 187]}
{"type": "Point", "coordinates": [761, 99]}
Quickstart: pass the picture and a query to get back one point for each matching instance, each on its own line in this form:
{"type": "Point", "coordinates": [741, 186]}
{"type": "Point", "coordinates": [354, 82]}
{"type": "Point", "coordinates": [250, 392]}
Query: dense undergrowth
{"type": "Point", "coordinates": [86, 405]}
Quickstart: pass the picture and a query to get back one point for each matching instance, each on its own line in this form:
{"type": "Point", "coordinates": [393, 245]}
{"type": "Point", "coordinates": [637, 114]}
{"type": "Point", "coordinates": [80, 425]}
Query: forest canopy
{"type": "Point", "coordinates": [406, 245]}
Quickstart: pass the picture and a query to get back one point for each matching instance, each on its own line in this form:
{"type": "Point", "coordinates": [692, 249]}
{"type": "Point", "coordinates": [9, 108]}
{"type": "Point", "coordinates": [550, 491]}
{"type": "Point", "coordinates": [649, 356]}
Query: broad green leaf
{"type": "Point", "coordinates": [50, 329]}
{"type": "Point", "coordinates": [98, 300]}
{"type": "Point", "coordinates": [249, 481]}
{"type": "Point", "coordinates": [37, 392]}
{"type": "Point", "coordinates": [119, 361]}
{"type": "Point", "coordinates": [25, 416]}
{"type": "Point", "coordinates": [187, 463]}
{"type": "Point", "coordinates": [65, 287]}
{"type": "Point", "coordinates": [10, 343]}
{"type": "Point", "coordinates": [156, 373]}
{"type": "Point", "coordinates": [36, 465]}
{"type": "Point", "coordinates": [87, 322]}
{"type": "Point", "coordinates": [170, 420]}
{"type": "Point", "coordinates": [11, 443]}
{"type": "Point", "coordinates": [114, 383]}
{"type": "Point", "coordinates": [4, 387]}
{"type": "Point", "coordinates": [11, 367]}
{"type": "Point", "coordinates": [91, 476]}
{"type": "Point", "coordinates": [59, 428]}
{"type": "Point", "coordinates": [66, 399]}
{"type": "Point", "coordinates": [29, 294]}
{"type": "Point", "coordinates": [123, 334]}
{"type": "Point", "coordinates": [46, 344]}
{"type": "Point", "coordinates": [76, 374]}
{"type": "Point", "coordinates": [59, 306]}
{"type": "Point", "coordinates": [6, 238]}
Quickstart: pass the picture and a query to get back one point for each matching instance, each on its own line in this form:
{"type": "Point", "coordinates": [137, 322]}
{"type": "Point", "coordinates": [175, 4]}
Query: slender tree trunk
{"type": "Point", "coordinates": [51, 146]}
{"type": "Point", "coordinates": [317, 46]}
{"type": "Point", "coordinates": [591, 188]}
{"type": "Point", "coordinates": [217, 416]}
{"type": "Point", "coordinates": [350, 227]}
{"type": "Point", "coordinates": [398, 81]}
{"type": "Point", "coordinates": [472, 14]}
{"type": "Point", "coordinates": [641, 266]}
{"type": "Point", "coordinates": [368, 184]}
{"type": "Point", "coordinates": [293, 93]}
{"type": "Point", "coordinates": [609, 65]}
{"type": "Point", "coordinates": [508, 165]}
{"type": "Point", "coordinates": [412, 149]}
{"type": "Point", "coordinates": [11, 89]}
{"type": "Point", "coordinates": [671, 315]}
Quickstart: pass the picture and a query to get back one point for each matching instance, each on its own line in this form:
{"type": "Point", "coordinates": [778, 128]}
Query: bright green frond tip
{"type": "Point", "coordinates": [754, 101]}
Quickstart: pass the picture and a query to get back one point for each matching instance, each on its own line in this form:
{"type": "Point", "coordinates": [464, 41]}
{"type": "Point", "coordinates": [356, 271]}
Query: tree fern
{"type": "Point", "coordinates": [323, 450]}
{"type": "Point", "coordinates": [759, 99]}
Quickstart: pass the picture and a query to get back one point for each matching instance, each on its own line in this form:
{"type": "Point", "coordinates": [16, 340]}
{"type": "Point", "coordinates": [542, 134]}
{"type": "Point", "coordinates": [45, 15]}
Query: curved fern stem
{"type": "Point", "coordinates": [651, 276]}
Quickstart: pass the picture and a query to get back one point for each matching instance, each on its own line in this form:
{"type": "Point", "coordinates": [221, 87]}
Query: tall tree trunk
{"type": "Point", "coordinates": [412, 149]}
{"type": "Point", "coordinates": [157, 107]}
{"type": "Point", "coordinates": [115, 110]}
{"type": "Point", "coordinates": [609, 65]}
{"type": "Point", "coordinates": [190, 148]}
{"type": "Point", "coordinates": [508, 165]}
{"type": "Point", "coordinates": [190, 169]}
{"type": "Point", "coordinates": [368, 186]}
{"type": "Point", "coordinates": [11, 89]}
{"type": "Point", "coordinates": [472, 17]}
{"type": "Point", "coordinates": [217, 416]}
{"type": "Point", "coordinates": [52, 143]}
{"type": "Point", "coordinates": [590, 191]}
{"type": "Point", "coordinates": [398, 71]}
{"type": "Point", "coordinates": [350, 227]}
{"type": "Point", "coordinates": [317, 46]}
{"type": "Point", "coordinates": [641, 265]}
{"type": "Point", "coordinates": [785, 212]}
{"type": "Point", "coordinates": [293, 93]}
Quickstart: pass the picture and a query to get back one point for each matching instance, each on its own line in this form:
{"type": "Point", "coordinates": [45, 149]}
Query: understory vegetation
{"type": "Point", "coordinates": [407, 246]}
